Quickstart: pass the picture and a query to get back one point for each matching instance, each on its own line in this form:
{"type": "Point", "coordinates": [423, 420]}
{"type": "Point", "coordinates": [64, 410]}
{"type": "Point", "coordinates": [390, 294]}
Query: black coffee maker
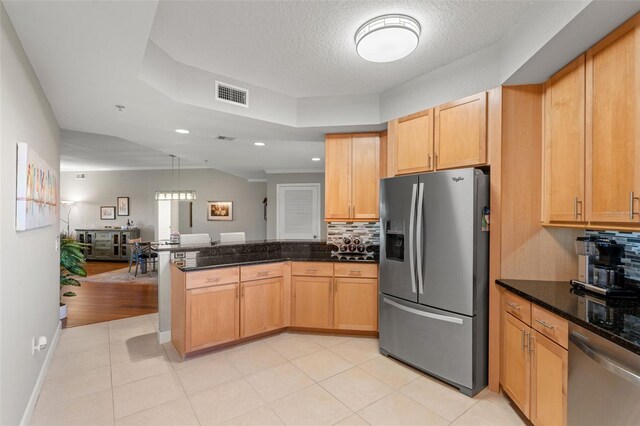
{"type": "Point", "coordinates": [608, 272]}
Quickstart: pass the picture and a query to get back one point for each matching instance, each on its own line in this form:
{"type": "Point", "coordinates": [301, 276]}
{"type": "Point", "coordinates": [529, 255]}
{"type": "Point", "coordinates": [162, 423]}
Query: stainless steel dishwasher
{"type": "Point", "coordinates": [604, 381]}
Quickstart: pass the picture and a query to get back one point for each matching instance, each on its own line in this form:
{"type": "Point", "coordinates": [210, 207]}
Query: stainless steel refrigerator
{"type": "Point", "coordinates": [434, 274]}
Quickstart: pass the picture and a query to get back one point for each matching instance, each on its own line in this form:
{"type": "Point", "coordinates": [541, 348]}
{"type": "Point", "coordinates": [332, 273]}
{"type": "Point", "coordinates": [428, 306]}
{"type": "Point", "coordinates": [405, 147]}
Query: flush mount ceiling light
{"type": "Point", "coordinates": [183, 131]}
{"type": "Point", "coordinates": [259, 143]}
{"type": "Point", "coordinates": [387, 38]}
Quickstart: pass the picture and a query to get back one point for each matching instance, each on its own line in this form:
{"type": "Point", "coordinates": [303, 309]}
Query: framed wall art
{"type": "Point", "coordinates": [107, 212]}
{"type": "Point", "coordinates": [219, 210]}
{"type": "Point", "coordinates": [123, 206]}
{"type": "Point", "coordinates": [36, 190]}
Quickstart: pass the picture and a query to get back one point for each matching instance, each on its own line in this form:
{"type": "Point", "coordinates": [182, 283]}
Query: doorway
{"type": "Point", "coordinates": [298, 211]}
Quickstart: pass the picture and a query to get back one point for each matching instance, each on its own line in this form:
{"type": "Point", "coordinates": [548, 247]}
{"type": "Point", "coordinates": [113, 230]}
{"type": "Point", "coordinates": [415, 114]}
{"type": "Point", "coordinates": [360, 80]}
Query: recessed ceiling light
{"type": "Point", "coordinates": [183, 131]}
{"type": "Point", "coordinates": [315, 159]}
{"type": "Point", "coordinates": [387, 38]}
{"type": "Point", "coordinates": [259, 143]}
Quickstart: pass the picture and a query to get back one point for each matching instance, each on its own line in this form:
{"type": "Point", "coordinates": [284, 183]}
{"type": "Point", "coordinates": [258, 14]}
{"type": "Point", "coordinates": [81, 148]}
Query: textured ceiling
{"type": "Point", "coordinates": [305, 48]}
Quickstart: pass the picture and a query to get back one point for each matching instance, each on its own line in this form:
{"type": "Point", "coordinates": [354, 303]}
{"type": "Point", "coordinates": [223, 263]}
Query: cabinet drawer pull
{"type": "Point", "coordinates": [355, 272]}
{"type": "Point", "coordinates": [544, 323]}
{"type": "Point", "coordinates": [513, 306]}
{"type": "Point", "coordinates": [312, 271]}
{"type": "Point", "coordinates": [263, 273]}
{"type": "Point", "coordinates": [213, 280]}
{"type": "Point", "coordinates": [632, 197]}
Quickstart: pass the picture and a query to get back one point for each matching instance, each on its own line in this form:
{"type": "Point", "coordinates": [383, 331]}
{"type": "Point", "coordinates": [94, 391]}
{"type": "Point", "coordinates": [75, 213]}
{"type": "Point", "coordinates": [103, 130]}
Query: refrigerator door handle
{"type": "Point", "coordinates": [419, 239]}
{"type": "Point", "coordinates": [422, 313]}
{"type": "Point", "coordinates": [412, 220]}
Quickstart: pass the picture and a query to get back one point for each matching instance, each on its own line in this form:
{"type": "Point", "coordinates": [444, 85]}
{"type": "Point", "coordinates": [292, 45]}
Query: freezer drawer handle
{"type": "Point", "coordinates": [613, 367]}
{"type": "Point", "coordinates": [423, 314]}
{"type": "Point", "coordinates": [412, 219]}
{"type": "Point", "coordinates": [419, 239]}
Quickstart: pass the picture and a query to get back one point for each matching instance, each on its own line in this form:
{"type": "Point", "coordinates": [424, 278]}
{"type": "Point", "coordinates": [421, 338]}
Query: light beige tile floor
{"type": "Point", "coordinates": [116, 373]}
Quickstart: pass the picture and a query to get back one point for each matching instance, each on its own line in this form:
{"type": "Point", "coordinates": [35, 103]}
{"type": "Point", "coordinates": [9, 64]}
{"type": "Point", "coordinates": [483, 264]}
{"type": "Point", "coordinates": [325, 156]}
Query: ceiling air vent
{"type": "Point", "coordinates": [232, 94]}
{"type": "Point", "coordinates": [225, 138]}
{"type": "Point", "coordinates": [81, 176]}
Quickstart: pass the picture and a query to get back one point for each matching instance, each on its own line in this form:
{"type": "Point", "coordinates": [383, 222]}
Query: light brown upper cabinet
{"type": "Point", "coordinates": [352, 177]}
{"type": "Point", "coordinates": [414, 143]}
{"type": "Point", "coordinates": [564, 144]}
{"type": "Point", "coordinates": [461, 132]}
{"type": "Point", "coordinates": [613, 126]}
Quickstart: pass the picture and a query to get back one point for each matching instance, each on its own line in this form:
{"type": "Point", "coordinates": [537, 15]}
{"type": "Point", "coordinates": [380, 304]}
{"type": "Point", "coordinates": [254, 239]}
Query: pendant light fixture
{"type": "Point", "coordinates": [175, 194]}
{"type": "Point", "coordinates": [387, 38]}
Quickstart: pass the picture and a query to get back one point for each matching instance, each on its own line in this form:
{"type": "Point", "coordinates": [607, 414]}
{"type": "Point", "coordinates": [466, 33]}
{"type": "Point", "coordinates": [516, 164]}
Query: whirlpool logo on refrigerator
{"type": "Point", "coordinates": [457, 179]}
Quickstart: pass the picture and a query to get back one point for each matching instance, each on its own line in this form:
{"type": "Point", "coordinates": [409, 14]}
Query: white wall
{"type": "Point", "coordinates": [28, 260]}
{"type": "Point", "coordinates": [102, 189]}
{"type": "Point", "coordinates": [279, 178]}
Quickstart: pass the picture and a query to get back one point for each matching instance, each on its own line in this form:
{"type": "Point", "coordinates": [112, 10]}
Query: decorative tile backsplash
{"type": "Point", "coordinates": [631, 240]}
{"type": "Point", "coordinates": [370, 231]}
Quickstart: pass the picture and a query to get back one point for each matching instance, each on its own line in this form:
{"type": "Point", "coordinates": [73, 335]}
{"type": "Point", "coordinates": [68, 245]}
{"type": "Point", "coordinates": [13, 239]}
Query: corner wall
{"type": "Point", "coordinates": [28, 260]}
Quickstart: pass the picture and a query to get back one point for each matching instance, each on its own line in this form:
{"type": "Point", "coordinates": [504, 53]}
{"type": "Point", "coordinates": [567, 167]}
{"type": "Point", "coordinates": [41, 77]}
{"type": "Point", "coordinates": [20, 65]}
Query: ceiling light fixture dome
{"type": "Point", "coordinates": [387, 38]}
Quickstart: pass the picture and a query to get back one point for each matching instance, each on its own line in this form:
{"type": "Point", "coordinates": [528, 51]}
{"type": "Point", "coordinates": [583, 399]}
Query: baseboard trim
{"type": "Point", "coordinates": [31, 405]}
{"type": "Point", "coordinates": [164, 336]}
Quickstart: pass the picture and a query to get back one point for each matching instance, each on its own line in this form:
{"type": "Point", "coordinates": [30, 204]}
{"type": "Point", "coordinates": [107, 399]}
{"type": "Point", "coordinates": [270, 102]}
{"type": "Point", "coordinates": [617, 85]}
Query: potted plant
{"type": "Point", "coordinates": [71, 264]}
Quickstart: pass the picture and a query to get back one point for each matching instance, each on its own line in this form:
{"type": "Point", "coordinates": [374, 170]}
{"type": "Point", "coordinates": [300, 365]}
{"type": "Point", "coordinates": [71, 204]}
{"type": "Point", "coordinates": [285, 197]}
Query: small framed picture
{"type": "Point", "coordinates": [107, 212]}
{"type": "Point", "coordinates": [219, 210]}
{"type": "Point", "coordinates": [123, 206]}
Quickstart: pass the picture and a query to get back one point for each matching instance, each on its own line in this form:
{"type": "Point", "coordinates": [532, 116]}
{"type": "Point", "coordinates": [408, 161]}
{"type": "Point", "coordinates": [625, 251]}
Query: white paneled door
{"type": "Point", "coordinates": [298, 211]}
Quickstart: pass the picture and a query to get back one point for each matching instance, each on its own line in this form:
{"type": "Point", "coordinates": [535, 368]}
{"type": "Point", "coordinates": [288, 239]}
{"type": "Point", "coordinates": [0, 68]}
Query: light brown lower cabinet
{"type": "Point", "coordinates": [312, 302]}
{"type": "Point", "coordinates": [220, 306]}
{"type": "Point", "coordinates": [212, 316]}
{"type": "Point", "coordinates": [534, 368]}
{"type": "Point", "coordinates": [260, 306]}
{"type": "Point", "coordinates": [355, 304]}
{"type": "Point", "coordinates": [548, 381]}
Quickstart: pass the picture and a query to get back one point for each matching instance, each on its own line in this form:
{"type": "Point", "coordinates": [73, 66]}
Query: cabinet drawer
{"type": "Point", "coordinates": [362, 270]}
{"type": "Point", "coordinates": [312, 269]}
{"type": "Point", "coordinates": [104, 236]}
{"type": "Point", "coordinates": [517, 306]}
{"type": "Point", "coordinates": [551, 325]}
{"type": "Point", "coordinates": [259, 272]}
{"type": "Point", "coordinates": [211, 277]}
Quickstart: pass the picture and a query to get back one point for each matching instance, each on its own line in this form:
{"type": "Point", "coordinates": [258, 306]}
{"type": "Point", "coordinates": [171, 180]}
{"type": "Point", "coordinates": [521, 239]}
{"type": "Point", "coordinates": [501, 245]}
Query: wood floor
{"type": "Point", "coordinates": [98, 302]}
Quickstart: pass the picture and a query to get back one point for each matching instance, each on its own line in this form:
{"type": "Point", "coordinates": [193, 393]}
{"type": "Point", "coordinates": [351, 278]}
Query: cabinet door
{"type": "Point", "coordinates": [366, 176]}
{"type": "Point", "coordinates": [260, 306]}
{"type": "Point", "coordinates": [312, 302]}
{"type": "Point", "coordinates": [564, 144]}
{"type": "Point", "coordinates": [212, 316]}
{"type": "Point", "coordinates": [414, 143]}
{"type": "Point", "coordinates": [548, 382]}
{"type": "Point", "coordinates": [356, 304]}
{"type": "Point", "coordinates": [461, 132]}
{"type": "Point", "coordinates": [613, 126]}
{"type": "Point", "coordinates": [516, 374]}
{"type": "Point", "coordinates": [337, 177]}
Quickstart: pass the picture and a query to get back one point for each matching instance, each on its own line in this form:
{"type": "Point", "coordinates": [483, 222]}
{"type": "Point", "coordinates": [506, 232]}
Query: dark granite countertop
{"type": "Point", "coordinates": [617, 320]}
{"type": "Point", "coordinates": [234, 245]}
{"type": "Point", "coordinates": [221, 261]}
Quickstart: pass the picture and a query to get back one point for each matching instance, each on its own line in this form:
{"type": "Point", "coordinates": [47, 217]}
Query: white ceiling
{"type": "Point", "coordinates": [306, 48]}
{"type": "Point", "coordinates": [297, 57]}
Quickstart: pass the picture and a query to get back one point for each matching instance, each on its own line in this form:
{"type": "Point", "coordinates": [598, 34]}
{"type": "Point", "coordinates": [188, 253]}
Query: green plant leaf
{"type": "Point", "coordinates": [69, 294]}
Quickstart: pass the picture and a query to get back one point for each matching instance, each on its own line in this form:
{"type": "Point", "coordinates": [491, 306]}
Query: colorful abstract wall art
{"type": "Point", "coordinates": [36, 190]}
